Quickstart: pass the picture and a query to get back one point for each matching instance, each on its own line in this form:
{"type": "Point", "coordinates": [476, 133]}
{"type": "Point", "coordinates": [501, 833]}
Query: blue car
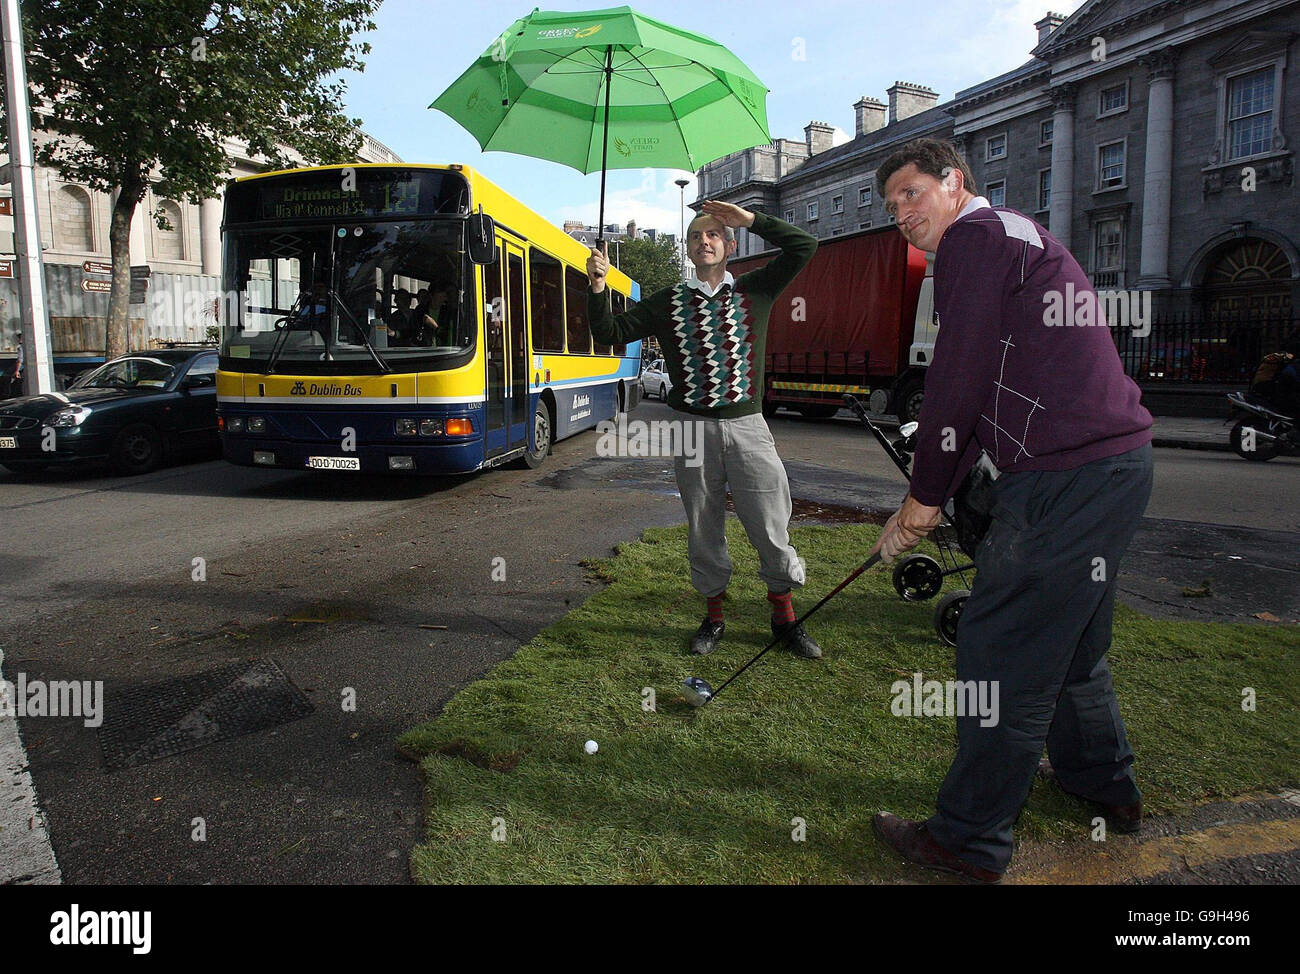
{"type": "Point", "coordinates": [134, 412]}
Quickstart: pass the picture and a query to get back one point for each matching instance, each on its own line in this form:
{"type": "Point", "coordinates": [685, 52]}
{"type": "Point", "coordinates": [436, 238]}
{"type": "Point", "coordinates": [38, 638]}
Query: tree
{"type": "Point", "coordinates": [148, 91]}
{"type": "Point", "coordinates": [653, 264]}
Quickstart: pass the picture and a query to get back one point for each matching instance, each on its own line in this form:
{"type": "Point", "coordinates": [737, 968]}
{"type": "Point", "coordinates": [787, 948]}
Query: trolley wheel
{"type": "Point", "coordinates": [917, 578]}
{"type": "Point", "coordinates": [947, 614]}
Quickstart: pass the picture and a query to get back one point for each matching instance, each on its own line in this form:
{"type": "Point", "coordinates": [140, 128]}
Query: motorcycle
{"type": "Point", "coordinates": [1263, 432]}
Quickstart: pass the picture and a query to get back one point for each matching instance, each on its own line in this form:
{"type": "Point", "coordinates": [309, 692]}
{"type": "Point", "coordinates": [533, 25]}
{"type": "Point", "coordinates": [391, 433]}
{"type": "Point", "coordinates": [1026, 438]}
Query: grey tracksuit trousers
{"type": "Point", "coordinates": [1038, 622]}
{"type": "Point", "coordinates": [739, 452]}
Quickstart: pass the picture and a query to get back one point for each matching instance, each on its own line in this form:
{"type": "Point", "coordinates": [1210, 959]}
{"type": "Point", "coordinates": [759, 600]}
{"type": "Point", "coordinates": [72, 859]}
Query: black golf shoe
{"type": "Point", "coordinates": [707, 637]}
{"type": "Point", "coordinates": [797, 640]}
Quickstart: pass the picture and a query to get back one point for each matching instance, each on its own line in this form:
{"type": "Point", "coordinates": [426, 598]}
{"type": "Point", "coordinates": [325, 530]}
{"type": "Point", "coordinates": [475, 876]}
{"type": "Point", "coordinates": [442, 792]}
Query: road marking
{"type": "Point", "coordinates": [26, 856]}
{"type": "Point", "coordinates": [1123, 860]}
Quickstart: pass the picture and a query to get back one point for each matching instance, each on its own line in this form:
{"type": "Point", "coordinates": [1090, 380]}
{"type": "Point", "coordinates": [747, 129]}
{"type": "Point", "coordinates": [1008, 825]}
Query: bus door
{"type": "Point", "coordinates": [506, 358]}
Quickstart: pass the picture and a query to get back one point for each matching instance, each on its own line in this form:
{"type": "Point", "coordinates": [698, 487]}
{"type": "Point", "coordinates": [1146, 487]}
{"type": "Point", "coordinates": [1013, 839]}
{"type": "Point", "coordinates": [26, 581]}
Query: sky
{"type": "Point", "coordinates": [817, 58]}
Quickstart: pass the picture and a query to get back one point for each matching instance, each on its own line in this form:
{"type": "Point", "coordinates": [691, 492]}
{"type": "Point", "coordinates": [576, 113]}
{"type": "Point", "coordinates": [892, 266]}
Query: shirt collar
{"type": "Point", "coordinates": [978, 203]}
{"type": "Point", "coordinates": [707, 289]}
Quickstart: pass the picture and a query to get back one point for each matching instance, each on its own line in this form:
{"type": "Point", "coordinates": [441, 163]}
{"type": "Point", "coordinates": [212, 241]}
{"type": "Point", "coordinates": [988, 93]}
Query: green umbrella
{"type": "Point", "coordinates": [570, 87]}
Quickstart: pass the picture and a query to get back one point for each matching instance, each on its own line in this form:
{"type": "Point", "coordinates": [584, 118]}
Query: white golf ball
{"type": "Point", "coordinates": [590, 747]}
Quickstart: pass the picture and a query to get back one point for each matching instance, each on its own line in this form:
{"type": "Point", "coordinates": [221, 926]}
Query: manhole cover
{"type": "Point", "coordinates": [147, 723]}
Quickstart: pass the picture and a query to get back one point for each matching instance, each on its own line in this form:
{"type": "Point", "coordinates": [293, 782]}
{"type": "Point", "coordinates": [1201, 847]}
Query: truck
{"type": "Point", "coordinates": [859, 318]}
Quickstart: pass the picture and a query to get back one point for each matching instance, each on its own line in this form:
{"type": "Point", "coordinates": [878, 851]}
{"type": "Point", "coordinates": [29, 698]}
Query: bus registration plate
{"type": "Point", "coordinates": [8, 442]}
{"type": "Point", "coordinates": [334, 463]}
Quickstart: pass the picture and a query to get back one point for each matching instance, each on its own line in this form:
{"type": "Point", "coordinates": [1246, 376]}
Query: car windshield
{"type": "Point", "coordinates": [137, 372]}
{"type": "Point", "coordinates": [323, 293]}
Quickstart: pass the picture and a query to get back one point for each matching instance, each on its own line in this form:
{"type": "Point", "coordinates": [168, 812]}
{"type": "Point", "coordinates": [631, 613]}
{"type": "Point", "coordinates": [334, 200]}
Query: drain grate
{"type": "Point", "coordinates": [148, 723]}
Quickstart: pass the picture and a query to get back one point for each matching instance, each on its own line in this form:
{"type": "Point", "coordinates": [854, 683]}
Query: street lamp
{"type": "Point", "coordinates": [681, 187]}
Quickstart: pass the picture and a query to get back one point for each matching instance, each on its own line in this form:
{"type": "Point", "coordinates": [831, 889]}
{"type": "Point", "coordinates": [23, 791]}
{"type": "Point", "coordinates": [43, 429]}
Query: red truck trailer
{"type": "Point", "coordinates": [857, 319]}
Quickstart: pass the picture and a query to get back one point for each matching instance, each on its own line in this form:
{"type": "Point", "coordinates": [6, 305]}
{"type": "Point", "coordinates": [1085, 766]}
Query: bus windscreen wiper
{"type": "Point", "coordinates": [281, 339]}
{"type": "Point", "coordinates": [338, 303]}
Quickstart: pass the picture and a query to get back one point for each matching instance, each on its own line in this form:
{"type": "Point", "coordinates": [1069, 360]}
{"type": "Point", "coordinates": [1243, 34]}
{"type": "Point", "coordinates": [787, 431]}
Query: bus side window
{"type": "Point", "coordinates": [618, 305]}
{"type": "Point", "coordinates": [577, 325]}
{"type": "Point", "coordinates": [493, 310]}
{"type": "Point", "coordinates": [548, 302]}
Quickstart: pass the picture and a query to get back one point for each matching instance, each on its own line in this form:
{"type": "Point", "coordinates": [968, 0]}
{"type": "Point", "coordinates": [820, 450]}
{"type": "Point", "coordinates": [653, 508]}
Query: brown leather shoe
{"type": "Point", "coordinates": [1122, 818]}
{"type": "Point", "coordinates": [914, 843]}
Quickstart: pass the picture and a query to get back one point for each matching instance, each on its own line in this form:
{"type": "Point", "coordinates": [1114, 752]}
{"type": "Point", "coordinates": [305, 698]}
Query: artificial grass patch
{"type": "Point", "coordinates": [722, 794]}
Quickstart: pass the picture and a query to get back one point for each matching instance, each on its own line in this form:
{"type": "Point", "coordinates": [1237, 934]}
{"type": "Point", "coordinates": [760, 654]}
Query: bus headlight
{"type": "Point", "coordinates": [431, 427]}
{"type": "Point", "coordinates": [256, 424]}
{"type": "Point", "coordinates": [405, 427]}
{"type": "Point", "coordinates": [235, 424]}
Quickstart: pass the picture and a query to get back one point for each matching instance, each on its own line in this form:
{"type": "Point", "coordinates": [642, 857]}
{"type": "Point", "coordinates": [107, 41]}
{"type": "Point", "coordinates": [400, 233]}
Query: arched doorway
{"type": "Point", "coordinates": [1250, 277]}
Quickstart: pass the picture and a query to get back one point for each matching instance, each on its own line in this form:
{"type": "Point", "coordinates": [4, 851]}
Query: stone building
{"type": "Point", "coordinates": [1154, 137]}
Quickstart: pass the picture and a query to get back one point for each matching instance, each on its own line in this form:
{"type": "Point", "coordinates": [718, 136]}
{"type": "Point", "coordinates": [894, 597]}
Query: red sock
{"type": "Point", "coordinates": [715, 606]}
{"type": "Point", "coordinates": [782, 608]}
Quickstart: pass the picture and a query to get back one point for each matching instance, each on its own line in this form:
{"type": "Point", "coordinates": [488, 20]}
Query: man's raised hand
{"type": "Point", "coordinates": [597, 268]}
{"type": "Point", "coordinates": [728, 214]}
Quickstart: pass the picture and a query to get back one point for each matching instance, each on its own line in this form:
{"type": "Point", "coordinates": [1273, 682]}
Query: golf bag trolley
{"type": "Point", "coordinates": [919, 577]}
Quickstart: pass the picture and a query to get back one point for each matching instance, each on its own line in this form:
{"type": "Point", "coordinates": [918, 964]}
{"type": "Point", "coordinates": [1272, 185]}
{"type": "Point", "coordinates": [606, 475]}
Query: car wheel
{"type": "Point", "coordinates": [1263, 449]}
{"type": "Point", "coordinates": [136, 450]}
{"type": "Point", "coordinates": [542, 426]}
{"type": "Point", "coordinates": [663, 391]}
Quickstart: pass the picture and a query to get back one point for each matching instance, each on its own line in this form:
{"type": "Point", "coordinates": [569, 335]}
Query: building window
{"type": "Point", "coordinates": [726, 179]}
{"type": "Point", "coordinates": [892, 218]}
{"type": "Point", "coordinates": [995, 148]}
{"type": "Point", "coordinates": [789, 216]}
{"type": "Point", "coordinates": [168, 244]}
{"type": "Point", "coordinates": [1250, 113]}
{"type": "Point", "coordinates": [864, 196]}
{"type": "Point", "coordinates": [837, 204]}
{"type": "Point", "coordinates": [1044, 189]}
{"type": "Point", "coordinates": [1045, 132]}
{"type": "Point", "coordinates": [997, 193]}
{"type": "Point", "coordinates": [1112, 100]}
{"type": "Point", "coordinates": [1108, 253]}
{"type": "Point", "coordinates": [812, 211]}
{"type": "Point", "coordinates": [864, 225]}
{"type": "Point", "coordinates": [837, 231]}
{"type": "Point", "coordinates": [73, 228]}
{"type": "Point", "coordinates": [1110, 166]}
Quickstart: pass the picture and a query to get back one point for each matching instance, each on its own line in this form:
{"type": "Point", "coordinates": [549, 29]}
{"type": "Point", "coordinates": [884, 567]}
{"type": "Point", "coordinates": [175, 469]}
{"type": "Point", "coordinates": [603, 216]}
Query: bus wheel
{"type": "Point", "coordinates": [534, 456]}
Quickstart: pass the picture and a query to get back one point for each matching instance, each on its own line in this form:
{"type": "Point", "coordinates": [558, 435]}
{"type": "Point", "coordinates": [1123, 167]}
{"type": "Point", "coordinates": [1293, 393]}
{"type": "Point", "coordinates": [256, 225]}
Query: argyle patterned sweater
{"type": "Point", "coordinates": [713, 346]}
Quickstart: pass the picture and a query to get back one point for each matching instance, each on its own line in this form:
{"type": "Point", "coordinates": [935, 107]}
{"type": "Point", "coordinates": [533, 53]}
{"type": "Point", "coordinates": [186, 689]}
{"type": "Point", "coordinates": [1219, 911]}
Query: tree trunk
{"type": "Point", "coordinates": [119, 244]}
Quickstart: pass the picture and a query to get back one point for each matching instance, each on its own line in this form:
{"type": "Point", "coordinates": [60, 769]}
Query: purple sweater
{"type": "Point", "coordinates": [1035, 396]}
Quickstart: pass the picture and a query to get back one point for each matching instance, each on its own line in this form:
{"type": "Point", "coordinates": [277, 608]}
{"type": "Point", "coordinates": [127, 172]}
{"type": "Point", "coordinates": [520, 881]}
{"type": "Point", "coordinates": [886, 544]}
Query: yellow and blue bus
{"type": "Point", "coordinates": [406, 318]}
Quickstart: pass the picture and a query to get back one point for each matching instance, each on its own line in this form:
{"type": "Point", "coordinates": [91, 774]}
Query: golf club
{"type": "Point", "coordinates": [698, 690]}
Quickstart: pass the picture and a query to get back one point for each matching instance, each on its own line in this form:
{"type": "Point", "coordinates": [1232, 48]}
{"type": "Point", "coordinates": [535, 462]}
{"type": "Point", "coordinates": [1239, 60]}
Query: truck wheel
{"type": "Point", "coordinates": [542, 427]}
{"type": "Point", "coordinates": [136, 450]}
{"type": "Point", "coordinates": [907, 401]}
{"type": "Point", "coordinates": [1264, 449]}
{"type": "Point", "coordinates": [948, 613]}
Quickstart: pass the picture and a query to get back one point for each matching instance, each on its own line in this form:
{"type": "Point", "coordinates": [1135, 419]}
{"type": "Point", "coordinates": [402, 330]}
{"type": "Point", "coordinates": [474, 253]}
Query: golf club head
{"type": "Point", "coordinates": [698, 691]}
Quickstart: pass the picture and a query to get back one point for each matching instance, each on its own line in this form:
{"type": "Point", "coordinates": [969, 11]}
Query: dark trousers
{"type": "Point", "coordinates": [1038, 622]}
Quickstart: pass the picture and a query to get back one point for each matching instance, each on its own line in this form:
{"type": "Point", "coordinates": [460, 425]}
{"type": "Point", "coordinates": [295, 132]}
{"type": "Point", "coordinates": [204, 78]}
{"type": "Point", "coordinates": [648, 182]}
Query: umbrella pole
{"type": "Point", "coordinates": [604, 142]}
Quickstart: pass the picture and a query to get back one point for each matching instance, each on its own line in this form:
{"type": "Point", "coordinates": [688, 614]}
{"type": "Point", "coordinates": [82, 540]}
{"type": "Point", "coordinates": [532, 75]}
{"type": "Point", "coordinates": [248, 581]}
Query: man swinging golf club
{"type": "Point", "coordinates": [1053, 410]}
{"type": "Point", "coordinates": [713, 330]}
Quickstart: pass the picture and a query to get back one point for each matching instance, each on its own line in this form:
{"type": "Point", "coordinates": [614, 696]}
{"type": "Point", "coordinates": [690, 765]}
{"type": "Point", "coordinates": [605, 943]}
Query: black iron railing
{"type": "Point", "coordinates": [1199, 348]}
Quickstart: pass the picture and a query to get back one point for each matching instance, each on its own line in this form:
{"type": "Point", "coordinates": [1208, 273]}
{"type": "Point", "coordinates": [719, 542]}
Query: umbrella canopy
{"type": "Point", "coordinates": [608, 89]}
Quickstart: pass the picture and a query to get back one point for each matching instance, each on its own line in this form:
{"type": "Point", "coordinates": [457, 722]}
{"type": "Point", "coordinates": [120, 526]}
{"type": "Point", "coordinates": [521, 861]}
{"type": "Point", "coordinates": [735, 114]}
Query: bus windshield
{"type": "Point", "coordinates": [321, 293]}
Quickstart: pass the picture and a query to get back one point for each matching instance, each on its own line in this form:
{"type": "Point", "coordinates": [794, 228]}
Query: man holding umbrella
{"type": "Point", "coordinates": [713, 330]}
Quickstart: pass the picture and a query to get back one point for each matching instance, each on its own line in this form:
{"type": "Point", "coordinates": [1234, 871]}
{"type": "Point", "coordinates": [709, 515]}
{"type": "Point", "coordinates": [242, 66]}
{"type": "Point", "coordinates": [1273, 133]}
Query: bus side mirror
{"type": "Point", "coordinates": [481, 239]}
